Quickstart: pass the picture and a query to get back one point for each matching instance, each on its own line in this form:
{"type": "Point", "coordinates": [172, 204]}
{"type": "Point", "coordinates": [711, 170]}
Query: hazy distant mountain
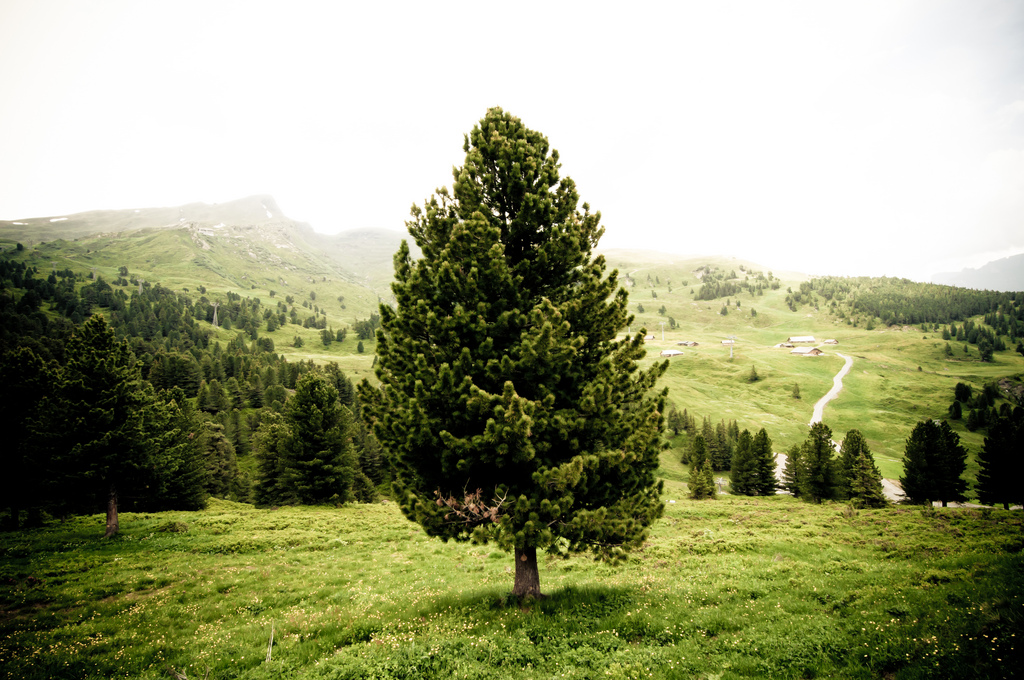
{"type": "Point", "coordinates": [1006, 274]}
{"type": "Point", "coordinates": [243, 244]}
{"type": "Point", "coordinates": [364, 253]}
{"type": "Point", "coordinates": [246, 211]}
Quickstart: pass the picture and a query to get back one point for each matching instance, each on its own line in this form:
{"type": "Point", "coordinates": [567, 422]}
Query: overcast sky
{"type": "Point", "coordinates": [828, 137]}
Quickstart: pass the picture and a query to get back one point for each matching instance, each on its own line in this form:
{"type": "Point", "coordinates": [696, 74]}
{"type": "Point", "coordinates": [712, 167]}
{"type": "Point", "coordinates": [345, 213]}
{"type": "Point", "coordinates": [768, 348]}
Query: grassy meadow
{"type": "Point", "coordinates": [900, 374]}
{"type": "Point", "coordinates": [727, 588]}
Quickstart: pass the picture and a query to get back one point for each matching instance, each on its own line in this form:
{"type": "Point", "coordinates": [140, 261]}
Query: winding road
{"type": "Point", "coordinates": [837, 385]}
{"type": "Point", "coordinates": [890, 488]}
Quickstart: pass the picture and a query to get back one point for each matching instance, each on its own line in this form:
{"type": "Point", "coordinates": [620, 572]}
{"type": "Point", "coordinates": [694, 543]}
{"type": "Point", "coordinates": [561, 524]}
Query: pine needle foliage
{"type": "Point", "coordinates": [764, 464]}
{"type": "Point", "coordinates": [702, 479]}
{"type": "Point", "coordinates": [933, 463]}
{"type": "Point", "coordinates": [866, 483]}
{"type": "Point", "coordinates": [508, 408]}
{"type": "Point", "coordinates": [792, 473]}
{"type": "Point", "coordinates": [818, 478]}
{"type": "Point", "coordinates": [744, 467]}
{"type": "Point", "coordinates": [853, 445]}
{"type": "Point", "coordinates": [1001, 463]}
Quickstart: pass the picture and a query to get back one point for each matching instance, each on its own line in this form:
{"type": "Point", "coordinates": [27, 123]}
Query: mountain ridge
{"type": "Point", "coordinates": [1005, 275]}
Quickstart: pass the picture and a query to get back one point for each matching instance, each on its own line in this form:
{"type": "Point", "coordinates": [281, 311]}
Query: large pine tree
{"type": "Point", "coordinates": [765, 482]}
{"type": "Point", "coordinates": [269, 443]}
{"type": "Point", "coordinates": [818, 478]}
{"type": "Point", "coordinates": [1001, 463]}
{"type": "Point", "coordinates": [509, 409]}
{"type": "Point", "coordinates": [319, 463]}
{"type": "Point", "coordinates": [100, 439]}
{"type": "Point", "coordinates": [793, 473]}
{"type": "Point", "coordinates": [24, 382]}
{"type": "Point", "coordinates": [702, 477]}
{"type": "Point", "coordinates": [744, 467]}
{"type": "Point", "coordinates": [865, 482]}
{"type": "Point", "coordinates": [933, 464]}
{"type": "Point", "coordinates": [852, 446]}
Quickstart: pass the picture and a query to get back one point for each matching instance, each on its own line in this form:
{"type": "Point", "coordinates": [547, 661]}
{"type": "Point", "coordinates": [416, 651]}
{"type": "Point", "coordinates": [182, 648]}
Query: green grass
{"type": "Point", "coordinates": [729, 588]}
{"type": "Point", "coordinates": [884, 396]}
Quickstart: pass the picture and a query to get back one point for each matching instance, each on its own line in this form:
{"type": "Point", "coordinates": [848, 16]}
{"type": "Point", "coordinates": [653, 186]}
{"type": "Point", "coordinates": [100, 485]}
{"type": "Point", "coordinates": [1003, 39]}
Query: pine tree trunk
{"type": "Point", "coordinates": [527, 574]}
{"type": "Point", "coordinates": [112, 524]}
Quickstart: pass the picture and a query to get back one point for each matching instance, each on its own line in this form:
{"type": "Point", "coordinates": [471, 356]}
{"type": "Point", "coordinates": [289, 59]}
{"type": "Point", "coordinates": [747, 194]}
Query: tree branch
{"type": "Point", "coordinates": [472, 509]}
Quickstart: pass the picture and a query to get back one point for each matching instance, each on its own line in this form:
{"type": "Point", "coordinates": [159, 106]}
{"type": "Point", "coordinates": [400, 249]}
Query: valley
{"type": "Point", "coordinates": [228, 307]}
{"type": "Point", "coordinates": [249, 248]}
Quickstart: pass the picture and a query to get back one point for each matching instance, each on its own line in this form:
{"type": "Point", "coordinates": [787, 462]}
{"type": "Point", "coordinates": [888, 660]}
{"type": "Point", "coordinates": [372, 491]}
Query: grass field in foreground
{"type": "Point", "coordinates": [729, 588]}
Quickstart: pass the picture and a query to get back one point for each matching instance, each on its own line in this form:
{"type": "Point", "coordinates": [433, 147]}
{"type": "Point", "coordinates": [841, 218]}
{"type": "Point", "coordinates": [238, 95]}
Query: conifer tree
{"type": "Point", "coordinates": [764, 464]}
{"type": "Point", "coordinates": [702, 480]}
{"type": "Point", "coordinates": [254, 394]}
{"type": "Point", "coordinates": [1002, 466]}
{"type": "Point", "coordinates": [95, 426]}
{"type": "Point", "coordinates": [793, 473]}
{"type": "Point", "coordinates": [217, 398]}
{"type": "Point", "coordinates": [202, 396]}
{"type": "Point", "coordinates": [865, 482]}
{"type": "Point", "coordinates": [178, 461]}
{"type": "Point", "coordinates": [675, 421]}
{"type": "Point", "coordinates": [221, 463]}
{"type": "Point", "coordinates": [268, 446]}
{"type": "Point", "coordinates": [721, 459]}
{"type": "Point", "coordinates": [818, 480]}
{"type": "Point", "coordinates": [744, 467]}
{"type": "Point", "coordinates": [974, 421]}
{"type": "Point", "coordinates": [851, 447]}
{"type": "Point", "coordinates": [508, 408]}
{"type": "Point", "coordinates": [933, 464]}
{"type": "Point", "coordinates": [319, 461]}
{"type": "Point", "coordinates": [24, 381]}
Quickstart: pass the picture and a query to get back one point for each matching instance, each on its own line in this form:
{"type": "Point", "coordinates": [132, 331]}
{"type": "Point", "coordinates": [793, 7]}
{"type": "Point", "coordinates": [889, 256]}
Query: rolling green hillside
{"type": "Point", "coordinates": [731, 588]}
{"type": "Point", "coordinates": [901, 373]}
{"type": "Point", "coordinates": [246, 247]}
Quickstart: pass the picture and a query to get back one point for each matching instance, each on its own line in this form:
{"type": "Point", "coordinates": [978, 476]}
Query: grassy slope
{"type": "Point", "coordinates": [729, 588]}
{"type": "Point", "coordinates": [884, 395]}
{"type": "Point", "coordinates": [249, 268]}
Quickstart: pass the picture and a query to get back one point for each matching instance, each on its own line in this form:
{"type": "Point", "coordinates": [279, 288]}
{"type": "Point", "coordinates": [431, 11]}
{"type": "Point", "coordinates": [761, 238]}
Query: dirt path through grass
{"type": "Point", "coordinates": [891, 488]}
{"type": "Point", "coordinates": [837, 385]}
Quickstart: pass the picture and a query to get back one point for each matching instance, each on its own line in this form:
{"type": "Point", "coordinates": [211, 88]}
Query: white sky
{"type": "Point", "coordinates": [849, 137]}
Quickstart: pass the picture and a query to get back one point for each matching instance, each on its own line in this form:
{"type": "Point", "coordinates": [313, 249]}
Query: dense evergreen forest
{"type": "Point", "coordinates": [117, 396]}
{"type": "Point", "coordinates": [717, 283]}
{"type": "Point", "coordinates": [895, 301]}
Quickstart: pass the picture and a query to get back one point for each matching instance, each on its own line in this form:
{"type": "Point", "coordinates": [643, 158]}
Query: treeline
{"type": "Point", "coordinates": [934, 462]}
{"type": "Point", "coordinates": [716, 283]}
{"type": "Point", "coordinates": [983, 407]}
{"type": "Point", "coordinates": [811, 472]}
{"type": "Point", "coordinates": [897, 301]}
{"type": "Point", "coordinates": [189, 416]}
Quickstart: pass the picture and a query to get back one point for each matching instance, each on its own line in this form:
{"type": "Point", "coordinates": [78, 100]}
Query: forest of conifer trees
{"type": "Point", "coordinates": [118, 398]}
